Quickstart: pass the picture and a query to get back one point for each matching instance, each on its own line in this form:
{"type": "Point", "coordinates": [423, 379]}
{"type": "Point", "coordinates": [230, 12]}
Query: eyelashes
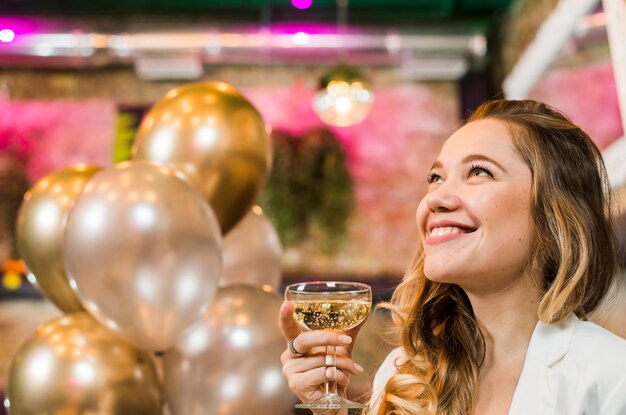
{"type": "Point", "coordinates": [475, 170]}
{"type": "Point", "coordinates": [432, 178]}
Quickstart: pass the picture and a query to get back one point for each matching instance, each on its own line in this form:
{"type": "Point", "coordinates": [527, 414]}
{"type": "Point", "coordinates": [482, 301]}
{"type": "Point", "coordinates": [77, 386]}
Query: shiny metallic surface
{"type": "Point", "coordinates": [144, 251]}
{"type": "Point", "coordinates": [73, 365]}
{"type": "Point", "coordinates": [40, 227]}
{"type": "Point", "coordinates": [229, 362]}
{"type": "Point", "coordinates": [253, 252]}
{"type": "Point", "coordinates": [211, 133]}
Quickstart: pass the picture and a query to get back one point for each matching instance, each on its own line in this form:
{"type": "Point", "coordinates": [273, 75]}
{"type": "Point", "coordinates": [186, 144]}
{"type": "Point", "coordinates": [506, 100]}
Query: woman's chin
{"type": "Point", "coordinates": [439, 275]}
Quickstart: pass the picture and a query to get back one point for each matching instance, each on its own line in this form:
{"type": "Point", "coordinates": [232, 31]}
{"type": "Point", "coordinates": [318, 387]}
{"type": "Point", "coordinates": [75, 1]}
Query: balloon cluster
{"type": "Point", "coordinates": [162, 253]}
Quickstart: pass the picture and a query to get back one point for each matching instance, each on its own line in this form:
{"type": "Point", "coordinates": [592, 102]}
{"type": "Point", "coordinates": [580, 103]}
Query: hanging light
{"type": "Point", "coordinates": [344, 97]}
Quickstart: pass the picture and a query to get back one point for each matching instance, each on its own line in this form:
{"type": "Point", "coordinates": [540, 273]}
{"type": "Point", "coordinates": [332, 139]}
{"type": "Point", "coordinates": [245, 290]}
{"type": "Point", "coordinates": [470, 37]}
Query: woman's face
{"type": "Point", "coordinates": [475, 221]}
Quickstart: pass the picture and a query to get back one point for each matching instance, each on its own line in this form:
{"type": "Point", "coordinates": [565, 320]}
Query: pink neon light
{"type": "Point", "coordinates": [302, 4]}
{"type": "Point", "coordinates": [21, 25]}
{"type": "Point", "coordinates": [7, 35]}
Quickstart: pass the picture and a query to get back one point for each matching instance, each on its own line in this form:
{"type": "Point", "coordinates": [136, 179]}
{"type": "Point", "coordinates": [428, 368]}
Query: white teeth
{"type": "Point", "coordinates": [445, 231]}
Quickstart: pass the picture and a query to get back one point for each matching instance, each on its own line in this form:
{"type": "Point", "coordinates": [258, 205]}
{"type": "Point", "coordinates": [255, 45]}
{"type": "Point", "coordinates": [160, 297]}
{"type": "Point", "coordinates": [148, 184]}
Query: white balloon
{"type": "Point", "coordinates": [252, 252]}
{"type": "Point", "coordinates": [228, 363]}
{"type": "Point", "coordinates": [143, 251]}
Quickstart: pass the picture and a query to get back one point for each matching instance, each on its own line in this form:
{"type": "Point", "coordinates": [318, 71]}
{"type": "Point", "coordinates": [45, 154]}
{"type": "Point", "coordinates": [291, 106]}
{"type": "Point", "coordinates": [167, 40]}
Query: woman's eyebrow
{"type": "Point", "coordinates": [436, 165]}
{"type": "Point", "coordinates": [480, 157]}
{"type": "Point", "coordinates": [470, 158]}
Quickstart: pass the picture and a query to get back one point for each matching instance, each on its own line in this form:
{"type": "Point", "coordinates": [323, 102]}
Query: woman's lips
{"type": "Point", "coordinates": [438, 238]}
{"type": "Point", "coordinates": [444, 231]}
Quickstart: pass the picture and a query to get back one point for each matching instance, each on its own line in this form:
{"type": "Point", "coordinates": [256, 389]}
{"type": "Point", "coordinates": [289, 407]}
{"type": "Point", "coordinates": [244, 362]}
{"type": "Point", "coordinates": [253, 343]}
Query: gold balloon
{"type": "Point", "coordinates": [73, 365]}
{"type": "Point", "coordinates": [40, 228]}
{"type": "Point", "coordinates": [216, 137]}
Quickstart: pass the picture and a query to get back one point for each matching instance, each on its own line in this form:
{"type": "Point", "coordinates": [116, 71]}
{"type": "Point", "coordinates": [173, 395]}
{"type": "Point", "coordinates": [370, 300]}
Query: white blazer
{"type": "Point", "coordinates": [572, 368]}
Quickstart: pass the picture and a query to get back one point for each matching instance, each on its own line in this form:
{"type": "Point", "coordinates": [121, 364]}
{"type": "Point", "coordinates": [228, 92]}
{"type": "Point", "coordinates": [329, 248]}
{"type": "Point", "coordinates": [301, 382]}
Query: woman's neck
{"type": "Point", "coordinates": [507, 319]}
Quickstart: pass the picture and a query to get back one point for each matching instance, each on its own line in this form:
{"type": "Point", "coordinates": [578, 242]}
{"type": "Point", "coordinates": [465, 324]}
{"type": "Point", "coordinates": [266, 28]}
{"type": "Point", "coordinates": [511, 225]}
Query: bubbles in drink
{"type": "Point", "coordinates": [330, 314]}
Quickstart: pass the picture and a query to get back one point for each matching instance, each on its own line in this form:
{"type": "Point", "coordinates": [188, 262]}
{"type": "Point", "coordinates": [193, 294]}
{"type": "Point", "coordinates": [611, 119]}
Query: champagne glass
{"type": "Point", "coordinates": [335, 306]}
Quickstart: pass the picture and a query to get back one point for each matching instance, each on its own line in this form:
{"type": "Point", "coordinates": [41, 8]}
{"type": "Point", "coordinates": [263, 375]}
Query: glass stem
{"type": "Point", "coordinates": [331, 371]}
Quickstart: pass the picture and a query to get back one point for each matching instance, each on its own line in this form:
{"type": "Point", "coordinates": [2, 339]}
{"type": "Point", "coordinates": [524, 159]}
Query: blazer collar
{"type": "Point", "coordinates": [550, 342]}
{"type": "Point", "coordinates": [540, 388]}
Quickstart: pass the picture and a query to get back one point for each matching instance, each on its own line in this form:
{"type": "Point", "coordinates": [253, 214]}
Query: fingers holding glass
{"type": "Point", "coordinates": [312, 362]}
{"type": "Point", "coordinates": [293, 349]}
{"type": "Point", "coordinates": [286, 322]}
{"type": "Point", "coordinates": [323, 310]}
{"type": "Point", "coordinates": [306, 377]}
{"type": "Point", "coordinates": [305, 342]}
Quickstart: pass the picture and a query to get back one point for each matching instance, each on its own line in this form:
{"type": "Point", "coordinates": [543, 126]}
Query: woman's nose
{"type": "Point", "coordinates": [443, 198]}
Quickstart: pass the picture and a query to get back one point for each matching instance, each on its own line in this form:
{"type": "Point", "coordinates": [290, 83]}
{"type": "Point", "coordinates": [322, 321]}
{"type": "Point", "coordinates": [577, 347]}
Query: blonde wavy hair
{"type": "Point", "coordinates": [573, 247]}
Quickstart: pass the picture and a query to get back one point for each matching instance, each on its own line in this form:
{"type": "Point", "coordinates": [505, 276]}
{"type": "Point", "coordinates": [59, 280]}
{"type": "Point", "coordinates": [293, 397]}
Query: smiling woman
{"type": "Point", "coordinates": [528, 190]}
{"type": "Point", "coordinates": [517, 253]}
{"type": "Point", "coordinates": [478, 203]}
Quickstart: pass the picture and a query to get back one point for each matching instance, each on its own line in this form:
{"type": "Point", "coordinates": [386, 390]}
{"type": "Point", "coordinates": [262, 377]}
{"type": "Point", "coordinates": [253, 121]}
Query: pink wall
{"type": "Point", "coordinates": [588, 95]}
{"type": "Point", "coordinates": [53, 135]}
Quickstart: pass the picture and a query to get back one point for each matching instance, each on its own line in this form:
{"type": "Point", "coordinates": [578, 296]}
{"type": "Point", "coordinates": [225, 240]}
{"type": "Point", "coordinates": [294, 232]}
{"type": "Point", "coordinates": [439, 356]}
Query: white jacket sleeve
{"type": "Point", "coordinates": [615, 403]}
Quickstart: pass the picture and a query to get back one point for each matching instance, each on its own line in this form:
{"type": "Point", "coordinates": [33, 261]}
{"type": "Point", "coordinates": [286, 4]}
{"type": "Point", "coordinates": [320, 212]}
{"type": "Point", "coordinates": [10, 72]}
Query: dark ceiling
{"type": "Point", "coordinates": [381, 12]}
{"type": "Point", "coordinates": [427, 39]}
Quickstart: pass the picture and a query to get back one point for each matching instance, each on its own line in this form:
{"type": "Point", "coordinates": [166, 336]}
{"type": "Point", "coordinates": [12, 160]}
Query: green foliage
{"type": "Point", "coordinates": [310, 191]}
{"type": "Point", "coordinates": [125, 130]}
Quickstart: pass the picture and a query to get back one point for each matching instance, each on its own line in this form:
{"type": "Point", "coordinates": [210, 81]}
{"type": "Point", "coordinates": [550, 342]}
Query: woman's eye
{"type": "Point", "coordinates": [433, 178]}
{"type": "Point", "coordinates": [480, 171]}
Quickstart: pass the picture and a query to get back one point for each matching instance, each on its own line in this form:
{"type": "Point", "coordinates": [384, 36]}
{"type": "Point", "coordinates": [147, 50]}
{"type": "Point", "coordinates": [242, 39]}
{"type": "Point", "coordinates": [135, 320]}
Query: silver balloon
{"type": "Point", "coordinates": [228, 363]}
{"type": "Point", "coordinates": [143, 250]}
{"type": "Point", "coordinates": [252, 252]}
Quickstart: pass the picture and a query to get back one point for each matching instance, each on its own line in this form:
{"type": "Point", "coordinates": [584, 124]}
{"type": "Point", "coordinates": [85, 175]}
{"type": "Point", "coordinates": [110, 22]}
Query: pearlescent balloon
{"type": "Point", "coordinates": [214, 135]}
{"type": "Point", "coordinates": [73, 365]}
{"type": "Point", "coordinates": [40, 226]}
{"type": "Point", "coordinates": [228, 363]}
{"type": "Point", "coordinates": [252, 252]}
{"type": "Point", "coordinates": [143, 249]}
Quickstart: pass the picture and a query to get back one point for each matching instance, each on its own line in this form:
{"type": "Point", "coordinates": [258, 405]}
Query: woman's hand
{"type": "Point", "coordinates": [304, 367]}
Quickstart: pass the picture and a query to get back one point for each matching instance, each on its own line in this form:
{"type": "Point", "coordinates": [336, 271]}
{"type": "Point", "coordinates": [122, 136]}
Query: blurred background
{"type": "Point", "coordinates": [357, 95]}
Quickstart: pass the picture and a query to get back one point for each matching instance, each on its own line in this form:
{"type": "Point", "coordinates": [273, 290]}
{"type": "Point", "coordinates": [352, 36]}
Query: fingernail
{"type": "Point", "coordinates": [358, 367]}
{"type": "Point", "coordinates": [345, 339]}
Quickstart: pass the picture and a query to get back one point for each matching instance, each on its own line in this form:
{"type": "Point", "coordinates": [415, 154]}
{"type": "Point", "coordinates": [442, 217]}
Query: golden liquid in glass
{"type": "Point", "coordinates": [330, 314]}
